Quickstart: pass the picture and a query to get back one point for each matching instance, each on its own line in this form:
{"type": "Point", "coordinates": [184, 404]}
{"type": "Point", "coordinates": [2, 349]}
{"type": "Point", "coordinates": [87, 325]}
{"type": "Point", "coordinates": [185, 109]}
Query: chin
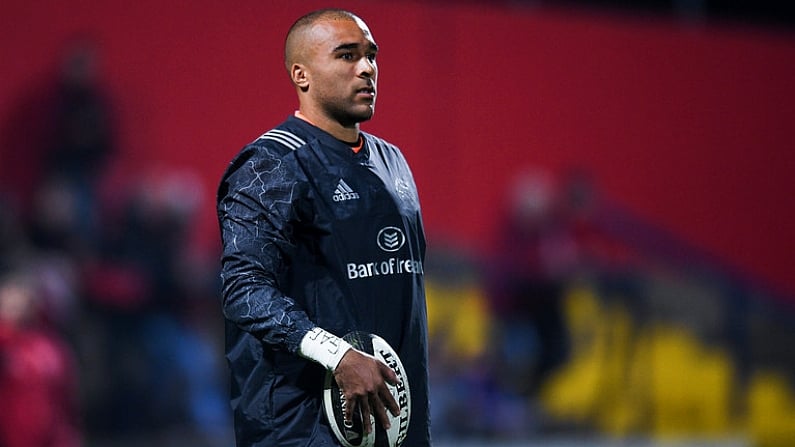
{"type": "Point", "coordinates": [369, 113]}
{"type": "Point", "coordinates": [355, 115]}
{"type": "Point", "coordinates": [363, 116]}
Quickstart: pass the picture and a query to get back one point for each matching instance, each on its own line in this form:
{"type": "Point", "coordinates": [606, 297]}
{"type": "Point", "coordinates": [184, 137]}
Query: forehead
{"type": "Point", "coordinates": [332, 32]}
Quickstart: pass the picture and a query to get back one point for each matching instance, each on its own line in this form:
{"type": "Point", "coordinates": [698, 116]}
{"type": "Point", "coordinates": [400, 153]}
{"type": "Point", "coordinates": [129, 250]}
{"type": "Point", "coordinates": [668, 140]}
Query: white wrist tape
{"type": "Point", "coordinates": [323, 347]}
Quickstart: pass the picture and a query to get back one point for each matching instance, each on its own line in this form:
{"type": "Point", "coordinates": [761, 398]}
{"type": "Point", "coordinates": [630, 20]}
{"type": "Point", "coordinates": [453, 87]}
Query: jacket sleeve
{"type": "Point", "coordinates": [255, 202]}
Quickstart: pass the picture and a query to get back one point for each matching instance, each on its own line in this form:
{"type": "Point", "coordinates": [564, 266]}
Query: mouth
{"type": "Point", "coordinates": [367, 92]}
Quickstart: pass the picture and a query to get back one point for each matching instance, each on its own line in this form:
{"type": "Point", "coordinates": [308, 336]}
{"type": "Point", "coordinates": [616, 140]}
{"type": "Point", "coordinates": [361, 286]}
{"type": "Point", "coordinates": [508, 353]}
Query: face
{"type": "Point", "coordinates": [341, 70]}
{"type": "Point", "coordinates": [16, 303]}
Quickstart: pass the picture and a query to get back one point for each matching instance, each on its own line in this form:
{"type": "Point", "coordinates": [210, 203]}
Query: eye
{"type": "Point", "coordinates": [371, 57]}
{"type": "Point", "coordinates": [346, 56]}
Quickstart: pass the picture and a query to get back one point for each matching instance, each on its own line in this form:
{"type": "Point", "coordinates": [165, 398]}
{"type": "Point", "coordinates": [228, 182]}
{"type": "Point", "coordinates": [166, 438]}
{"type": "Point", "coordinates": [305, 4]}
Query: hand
{"type": "Point", "coordinates": [362, 379]}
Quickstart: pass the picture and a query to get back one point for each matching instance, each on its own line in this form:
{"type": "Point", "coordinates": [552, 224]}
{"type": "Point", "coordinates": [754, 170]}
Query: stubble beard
{"type": "Point", "coordinates": [350, 116]}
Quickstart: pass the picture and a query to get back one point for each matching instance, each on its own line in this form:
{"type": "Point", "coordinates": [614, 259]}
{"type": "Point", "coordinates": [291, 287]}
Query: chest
{"type": "Point", "coordinates": [343, 190]}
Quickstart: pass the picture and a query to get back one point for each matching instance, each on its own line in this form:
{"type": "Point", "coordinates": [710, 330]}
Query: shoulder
{"type": "Point", "coordinates": [266, 163]}
{"type": "Point", "coordinates": [382, 148]}
{"type": "Point", "coordinates": [379, 142]}
{"type": "Point", "coordinates": [276, 143]}
{"type": "Point", "coordinates": [267, 152]}
{"type": "Point", "coordinates": [284, 138]}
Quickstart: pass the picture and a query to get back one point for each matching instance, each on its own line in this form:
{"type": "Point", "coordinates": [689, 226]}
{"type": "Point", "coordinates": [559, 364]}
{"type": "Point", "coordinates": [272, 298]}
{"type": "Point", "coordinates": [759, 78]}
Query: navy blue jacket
{"type": "Point", "coordinates": [315, 234]}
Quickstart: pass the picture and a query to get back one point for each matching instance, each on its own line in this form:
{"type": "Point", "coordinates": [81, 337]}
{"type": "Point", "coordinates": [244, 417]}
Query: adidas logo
{"type": "Point", "coordinates": [344, 192]}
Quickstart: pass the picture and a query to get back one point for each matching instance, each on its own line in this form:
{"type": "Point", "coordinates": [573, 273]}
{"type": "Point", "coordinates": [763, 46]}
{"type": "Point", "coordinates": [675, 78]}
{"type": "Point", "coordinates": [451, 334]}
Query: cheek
{"type": "Point", "coordinates": [329, 83]}
{"type": "Point", "coordinates": [320, 86]}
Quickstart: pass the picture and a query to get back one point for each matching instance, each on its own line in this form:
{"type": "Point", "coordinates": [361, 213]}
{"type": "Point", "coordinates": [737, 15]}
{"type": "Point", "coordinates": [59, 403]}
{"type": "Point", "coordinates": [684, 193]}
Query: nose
{"type": "Point", "coordinates": [366, 67]}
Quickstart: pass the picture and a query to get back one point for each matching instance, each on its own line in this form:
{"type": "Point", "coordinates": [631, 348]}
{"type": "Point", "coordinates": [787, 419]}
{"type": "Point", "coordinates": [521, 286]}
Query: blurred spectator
{"type": "Point", "coordinates": [38, 390]}
{"type": "Point", "coordinates": [54, 224]}
{"type": "Point", "coordinates": [467, 397]}
{"type": "Point", "coordinates": [60, 133]}
{"type": "Point", "coordinates": [534, 258]}
{"type": "Point", "coordinates": [148, 291]}
{"type": "Point", "coordinates": [83, 139]}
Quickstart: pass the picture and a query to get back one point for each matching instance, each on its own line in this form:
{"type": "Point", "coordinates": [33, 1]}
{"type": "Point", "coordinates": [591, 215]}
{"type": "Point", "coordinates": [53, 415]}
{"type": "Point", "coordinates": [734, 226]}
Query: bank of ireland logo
{"type": "Point", "coordinates": [391, 239]}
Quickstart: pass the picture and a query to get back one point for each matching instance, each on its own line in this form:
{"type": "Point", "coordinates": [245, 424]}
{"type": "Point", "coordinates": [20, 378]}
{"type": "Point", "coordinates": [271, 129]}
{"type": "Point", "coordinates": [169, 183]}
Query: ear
{"type": "Point", "coordinates": [300, 76]}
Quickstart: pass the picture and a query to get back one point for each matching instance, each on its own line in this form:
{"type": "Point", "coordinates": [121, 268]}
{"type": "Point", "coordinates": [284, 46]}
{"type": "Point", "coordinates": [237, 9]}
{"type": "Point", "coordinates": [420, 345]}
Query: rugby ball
{"type": "Point", "coordinates": [352, 434]}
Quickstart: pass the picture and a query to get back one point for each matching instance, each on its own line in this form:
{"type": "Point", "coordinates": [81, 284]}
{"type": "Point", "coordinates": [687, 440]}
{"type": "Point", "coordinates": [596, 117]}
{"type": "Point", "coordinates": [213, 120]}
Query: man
{"type": "Point", "coordinates": [322, 236]}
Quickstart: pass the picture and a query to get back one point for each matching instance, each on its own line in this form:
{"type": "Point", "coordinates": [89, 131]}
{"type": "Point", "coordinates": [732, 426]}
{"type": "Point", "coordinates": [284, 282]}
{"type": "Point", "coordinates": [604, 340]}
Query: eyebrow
{"type": "Point", "coordinates": [352, 46]}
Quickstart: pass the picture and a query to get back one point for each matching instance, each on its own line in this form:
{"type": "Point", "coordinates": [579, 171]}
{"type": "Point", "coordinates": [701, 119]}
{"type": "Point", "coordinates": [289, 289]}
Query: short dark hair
{"type": "Point", "coordinates": [308, 20]}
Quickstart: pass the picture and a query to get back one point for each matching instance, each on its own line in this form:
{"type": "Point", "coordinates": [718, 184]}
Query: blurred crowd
{"type": "Point", "coordinates": [584, 320]}
{"type": "Point", "coordinates": [109, 321]}
{"type": "Point", "coordinates": [497, 319]}
{"type": "Point", "coordinates": [579, 318]}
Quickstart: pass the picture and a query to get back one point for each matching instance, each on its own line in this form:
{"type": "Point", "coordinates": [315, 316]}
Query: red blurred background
{"type": "Point", "coordinates": [689, 126]}
{"type": "Point", "coordinates": [681, 125]}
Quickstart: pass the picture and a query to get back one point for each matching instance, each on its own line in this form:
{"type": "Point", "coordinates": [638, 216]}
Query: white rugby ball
{"type": "Point", "coordinates": [353, 435]}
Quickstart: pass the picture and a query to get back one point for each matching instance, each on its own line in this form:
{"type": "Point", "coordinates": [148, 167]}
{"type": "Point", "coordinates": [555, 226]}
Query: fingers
{"type": "Point", "coordinates": [386, 396]}
{"type": "Point", "coordinates": [380, 412]}
{"type": "Point", "coordinates": [364, 380]}
{"type": "Point", "coordinates": [365, 412]}
{"type": "Point", "coordinates": [375, 404]}
{"type": "Point", "coordinates": [361, 408]}
{"type": "Point", "coordinates": [388, 374]}
{"type": "Point", "coordinates": [378, 403]}
{"type": "Point", "coordinates": [389, 403]}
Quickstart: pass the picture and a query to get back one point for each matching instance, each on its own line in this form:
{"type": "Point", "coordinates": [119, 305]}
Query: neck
{"type": "Point", "coordinates": [335, 128]}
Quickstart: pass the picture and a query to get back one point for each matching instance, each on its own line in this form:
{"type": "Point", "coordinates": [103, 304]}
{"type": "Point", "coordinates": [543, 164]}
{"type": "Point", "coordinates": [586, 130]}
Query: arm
{"type": "Point", "coordinates": [254, 208]}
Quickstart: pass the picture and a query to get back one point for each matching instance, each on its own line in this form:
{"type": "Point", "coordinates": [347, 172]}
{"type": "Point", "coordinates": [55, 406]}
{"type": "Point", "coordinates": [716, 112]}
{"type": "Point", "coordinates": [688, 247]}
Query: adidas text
{"type": "Point", "coordinates": [344, 192]}
{"type": "Point", "coordinates": [341, 196]}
